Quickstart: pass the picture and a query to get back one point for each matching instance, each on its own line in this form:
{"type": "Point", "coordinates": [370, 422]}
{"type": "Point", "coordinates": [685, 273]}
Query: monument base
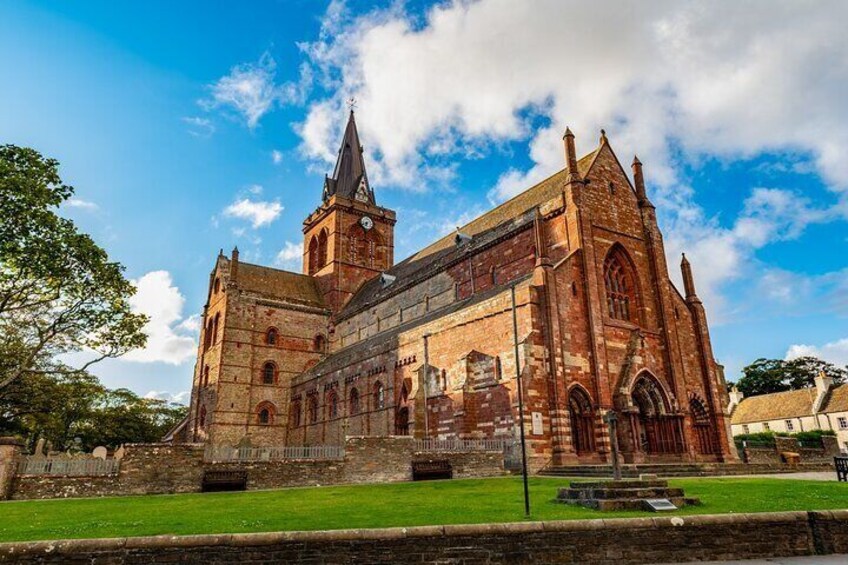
{"type": "Point", "coordinates": [627, 494]}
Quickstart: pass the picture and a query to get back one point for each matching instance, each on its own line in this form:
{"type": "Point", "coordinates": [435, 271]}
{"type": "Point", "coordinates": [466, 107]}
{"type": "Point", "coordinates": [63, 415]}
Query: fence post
{"type": "Point", "coordinates": [10, 451]}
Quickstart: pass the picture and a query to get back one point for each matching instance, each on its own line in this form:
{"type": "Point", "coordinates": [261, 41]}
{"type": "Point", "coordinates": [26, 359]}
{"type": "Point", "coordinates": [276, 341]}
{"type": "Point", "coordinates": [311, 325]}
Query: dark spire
{"type": "Point", "coordinates": [349, 178]}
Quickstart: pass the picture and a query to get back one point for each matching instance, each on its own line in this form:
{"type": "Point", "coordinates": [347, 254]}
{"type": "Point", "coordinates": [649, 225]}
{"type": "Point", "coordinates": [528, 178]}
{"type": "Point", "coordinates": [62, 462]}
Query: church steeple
{"type": "Point", "coordinates": [349, 178]}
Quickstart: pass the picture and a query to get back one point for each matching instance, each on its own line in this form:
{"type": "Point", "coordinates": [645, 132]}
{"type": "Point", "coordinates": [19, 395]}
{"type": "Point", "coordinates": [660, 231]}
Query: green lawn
{"type": "Point", "coordinates": [374, 506]}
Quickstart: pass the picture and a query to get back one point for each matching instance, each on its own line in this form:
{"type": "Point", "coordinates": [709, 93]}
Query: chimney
{"type": "Point", "coordinates": [570, 157]}
{"type": "Point", "coordinates": [234, 264]}
{"type": "Point", "coordinates": [823, 386]}
{"type": "Point", "coordinates": [735, 398]}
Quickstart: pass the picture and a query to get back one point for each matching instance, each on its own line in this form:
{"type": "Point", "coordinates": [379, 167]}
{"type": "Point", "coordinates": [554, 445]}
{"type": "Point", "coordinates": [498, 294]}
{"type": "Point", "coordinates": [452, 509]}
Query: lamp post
{"type": "Point", "coordinates": [426, 376]}
{"type": "Point", "coordinates": [520, 406]}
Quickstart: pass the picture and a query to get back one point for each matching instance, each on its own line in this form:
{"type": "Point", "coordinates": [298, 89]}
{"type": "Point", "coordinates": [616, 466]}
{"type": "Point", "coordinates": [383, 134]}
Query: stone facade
{"type": "Point", "coordinates": [603, 542]}
{"type": "Point", "coordinates": [426, 347]}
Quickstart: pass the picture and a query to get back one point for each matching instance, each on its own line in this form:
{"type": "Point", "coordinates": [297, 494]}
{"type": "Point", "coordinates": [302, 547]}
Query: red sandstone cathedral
{"type": "Point", "coordinates": [307, 359]}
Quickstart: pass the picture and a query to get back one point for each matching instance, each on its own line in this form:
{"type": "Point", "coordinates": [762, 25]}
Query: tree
{"type": "Point", "coordinates": [59, 292]}
{"type": "Point", "coordinates": [765, 376]}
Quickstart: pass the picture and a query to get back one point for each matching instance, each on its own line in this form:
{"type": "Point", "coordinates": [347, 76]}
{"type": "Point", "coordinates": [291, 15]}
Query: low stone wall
{"type": "Point", "coordinates": [166, 468]}
{"type": "Point", "coordinates": [809, 455]}
{"type": "Point", "coordinates": [618, 541]}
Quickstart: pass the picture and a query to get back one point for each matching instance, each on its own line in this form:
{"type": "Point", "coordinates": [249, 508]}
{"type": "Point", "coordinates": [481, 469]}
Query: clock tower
{"type": "Point", "coordinates": [348, 239]}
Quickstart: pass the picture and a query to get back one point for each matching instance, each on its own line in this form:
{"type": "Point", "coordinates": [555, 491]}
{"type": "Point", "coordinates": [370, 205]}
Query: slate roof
{"type": "Point", "coordinates": [499, 221]}
{"type": "Point", "coordinates": [775, 406]}
{"type": "Point", "coordinates": [349, 172]}
{"type": "Point", "coordinates": [837, 399]}
{"type": "Point", "coordinates": [279, 284]}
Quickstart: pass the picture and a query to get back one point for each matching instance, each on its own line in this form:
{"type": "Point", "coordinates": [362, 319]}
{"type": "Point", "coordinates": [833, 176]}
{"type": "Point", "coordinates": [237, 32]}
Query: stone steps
{"type": "Point", "coordinates": [625, 494]}
{"type": "Point", "coordinates": [678, 470]}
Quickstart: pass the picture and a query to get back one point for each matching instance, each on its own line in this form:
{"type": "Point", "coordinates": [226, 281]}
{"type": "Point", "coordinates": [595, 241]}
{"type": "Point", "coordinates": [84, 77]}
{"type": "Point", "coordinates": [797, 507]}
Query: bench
{"type": "Point", "coordinates": [432, 469]}
{"type": "Point", "coordinates": [841, 464]}
{"type": "Point", "coordinates": [219, 481]}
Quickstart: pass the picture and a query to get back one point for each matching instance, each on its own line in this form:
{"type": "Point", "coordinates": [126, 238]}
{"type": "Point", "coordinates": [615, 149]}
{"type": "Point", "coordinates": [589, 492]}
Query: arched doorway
{"type": "Point", "coordinates": [703, 426]}
{"type": "Point", "coordinates": [657, 431]}
{"type": "Point", "coordinates": [582, 421]}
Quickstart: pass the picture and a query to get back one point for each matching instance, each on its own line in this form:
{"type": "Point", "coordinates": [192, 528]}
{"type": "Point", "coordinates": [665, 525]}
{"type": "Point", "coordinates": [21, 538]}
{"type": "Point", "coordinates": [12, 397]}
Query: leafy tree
{"type": "Point", "coordinates": [59, 292]}
{"type": "Point", "coordinates": [765, 376]}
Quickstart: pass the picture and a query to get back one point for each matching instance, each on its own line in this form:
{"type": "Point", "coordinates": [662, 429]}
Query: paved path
{"type": "Point", "coordinates": [804, 476]}
{"type": "Point", "coordinates": [811, 560]}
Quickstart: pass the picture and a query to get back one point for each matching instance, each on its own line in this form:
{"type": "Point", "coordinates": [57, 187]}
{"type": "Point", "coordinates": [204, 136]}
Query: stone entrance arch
{"type": "Point", "coordinates": [656, 429]}
{"type": "Point", "coordinates": [582, 419]}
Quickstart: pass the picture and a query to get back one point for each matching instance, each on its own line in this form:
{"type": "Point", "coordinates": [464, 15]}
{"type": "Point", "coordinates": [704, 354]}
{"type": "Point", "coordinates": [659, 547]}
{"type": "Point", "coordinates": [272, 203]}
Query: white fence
{"type": "Point", "coordinates": [68, 467]}
{"type": "Point", "coordinates": [224, 453]}
{"type": "Point", "coordinates": [463, 444]}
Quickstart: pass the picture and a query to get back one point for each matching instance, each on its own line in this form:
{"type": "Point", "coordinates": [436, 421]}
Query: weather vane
{"type": "Point", "coordinates": [351, 103]}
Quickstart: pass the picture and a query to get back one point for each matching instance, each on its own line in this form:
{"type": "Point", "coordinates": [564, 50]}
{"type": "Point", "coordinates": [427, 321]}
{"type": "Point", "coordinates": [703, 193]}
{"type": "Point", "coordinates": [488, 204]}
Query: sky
{"type": "Point", "coordinates": [194, 126]}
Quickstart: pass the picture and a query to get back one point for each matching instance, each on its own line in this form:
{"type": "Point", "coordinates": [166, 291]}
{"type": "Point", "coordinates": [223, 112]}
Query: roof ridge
{"type": "Point", "coordinates": [276, 269]}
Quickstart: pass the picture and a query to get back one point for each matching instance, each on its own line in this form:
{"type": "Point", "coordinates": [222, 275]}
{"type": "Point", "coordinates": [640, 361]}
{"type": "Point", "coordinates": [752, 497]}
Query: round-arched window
{"type": "Point", "coordinates": [269, 373]}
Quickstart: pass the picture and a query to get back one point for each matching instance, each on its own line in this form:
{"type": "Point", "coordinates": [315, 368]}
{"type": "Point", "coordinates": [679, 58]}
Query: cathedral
{"type": "Point", "coordinates": [359, 345]}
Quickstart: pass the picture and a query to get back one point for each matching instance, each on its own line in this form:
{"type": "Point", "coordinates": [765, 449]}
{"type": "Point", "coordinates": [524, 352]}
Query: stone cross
{"type": "Point", "coordinates": [611, 419]}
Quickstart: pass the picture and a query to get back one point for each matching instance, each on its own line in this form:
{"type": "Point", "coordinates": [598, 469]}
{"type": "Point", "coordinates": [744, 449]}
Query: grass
{"type": "Point", "coordinates": [375, 506]}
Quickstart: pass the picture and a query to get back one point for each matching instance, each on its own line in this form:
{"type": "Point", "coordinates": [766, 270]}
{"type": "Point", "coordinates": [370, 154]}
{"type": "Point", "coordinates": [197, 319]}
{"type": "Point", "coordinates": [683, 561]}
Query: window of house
{"type": "Point", "coordinates": [379, 395]}
{"type": "Point", "coordinates": [620, 286]}
{"type": "Point", "coordinates": [269, 372]}
{"type": "Point", "coordinates": [271, 336]}
{"type": "Point", "coordinates": [766, 427]}
{"type": "Point", "coordinates": [354, 401]}
{"type": "Point", "coordinates": [789, 425]}
{"type": "Point", "coordinates": [746, 429]}
{"type": "Point", "coordinates": [843, 423]}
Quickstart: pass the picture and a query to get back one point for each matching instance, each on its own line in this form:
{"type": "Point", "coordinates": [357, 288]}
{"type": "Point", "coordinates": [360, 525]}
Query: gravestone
{"type": "Point", "coordinates": [120, 452]}
{"type": "Point", "coordinates": [100, 452]}
{"type": "Point", "coordinates": [39, 448]}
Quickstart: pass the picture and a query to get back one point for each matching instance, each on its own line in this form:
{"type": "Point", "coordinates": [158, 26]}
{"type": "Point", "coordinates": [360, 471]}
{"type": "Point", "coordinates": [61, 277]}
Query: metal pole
{"type": "Point", "coordinates": [426, 376]}
{"type": "Point", "coordinates": [520, 406]}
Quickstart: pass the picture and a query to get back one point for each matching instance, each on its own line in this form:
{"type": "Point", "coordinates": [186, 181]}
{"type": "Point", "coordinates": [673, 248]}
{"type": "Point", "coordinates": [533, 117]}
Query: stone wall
{"type": "Point", "coordinates": [165, 469]}
{"type": "Point", "coordinates": [623, 541]}
{"type": "Point", "coordinates": [809, 455]}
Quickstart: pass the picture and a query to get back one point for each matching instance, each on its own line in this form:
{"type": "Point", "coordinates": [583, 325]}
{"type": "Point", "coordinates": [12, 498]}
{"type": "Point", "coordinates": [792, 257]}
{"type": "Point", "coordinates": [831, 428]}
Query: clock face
{"type": "Point", "coordinates": [366, 223]}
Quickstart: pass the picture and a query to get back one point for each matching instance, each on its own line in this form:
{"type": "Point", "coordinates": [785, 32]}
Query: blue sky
{"type": "Point", "coordinates": [193, 126]}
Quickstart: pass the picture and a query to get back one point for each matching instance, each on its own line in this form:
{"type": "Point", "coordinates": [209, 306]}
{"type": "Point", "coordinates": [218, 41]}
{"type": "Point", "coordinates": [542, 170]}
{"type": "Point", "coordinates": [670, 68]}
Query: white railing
{"type": "Point", "coordinates": [68, 467]}
{"type": "Point", "coordinates": [462, 444]}
{"type": "Point", "coordinates": [225, 453]}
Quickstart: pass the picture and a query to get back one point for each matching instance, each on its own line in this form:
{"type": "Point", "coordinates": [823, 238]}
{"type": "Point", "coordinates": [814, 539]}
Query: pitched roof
{"type": "Point", "coordinates": [513, 214]}
{"type": "Point", "coordinates": [837, 399]}
{"type": "Point", "coordinates": [349, 178]}
{"type": "Point", "coordinates": [775, 406]}
{"type": "Point", "coordinates": [279, 284]}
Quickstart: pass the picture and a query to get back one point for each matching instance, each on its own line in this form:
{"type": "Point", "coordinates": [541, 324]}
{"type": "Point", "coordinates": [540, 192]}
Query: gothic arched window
{"type": "Point", "coordinates": [313, 255]}
{"type": "Point", "coordinates": [295, 413]}
{"type": "Point", "coordinates": [620, 286]}
{"type": "Point", "coordinates": [319, 343]}
{"type": "Point", "coordinates": [322, 249]}
{"type": "Point", "coordinates": [312, 409]}
{"type": "Point", "coordinates": [332, 405]}
{"type": "Point", "coordinates": [379, 395]}
{"type": "Point", "coordinates": [354, 402]}
{"type": "Point", "coordinates": [265, 414]}
{"type": "Point", "coordinates": [269, 373]}
{"type": "Point", "coordinates": [271, 336]}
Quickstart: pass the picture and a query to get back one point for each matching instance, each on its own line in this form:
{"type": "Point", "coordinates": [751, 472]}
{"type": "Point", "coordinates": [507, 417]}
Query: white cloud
{"type": "Point", "coordinates": [290, 256]}
{"type": "Point", "coordinates": [835, 352]}
{"type": "Point", "coordinates": [181, 397]}
{"type": "Point", "coordinates": [81, 204]}
{"type": "Point", "coordinates": [168, 334]}
{"type": "Point", "coordinates": [250, 89]}
{"type": "Point", "coordinates": [277, 156]}
{"type": "Point", "coordinates": [258, 213]}
{"type": "Point", "coordinates": [675, 82]}
{"type": "Point", "coordinates": [199, 127]}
